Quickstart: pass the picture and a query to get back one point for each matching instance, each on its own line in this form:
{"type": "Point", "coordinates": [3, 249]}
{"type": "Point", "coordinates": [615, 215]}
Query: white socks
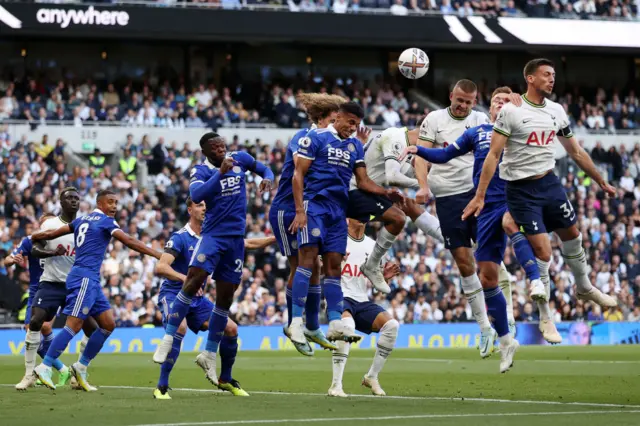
{"type": "Point", "coordinates": [430, 225]}
{"type": "Point", "coordinates": [576, 258]}
{"type": "Point", "coordinates": [473, 291]}
{"type": "Point", "coordinates": [504, 281]}
{"type": "Point", "coordinates": [83, 345]}
{"type": "Point", "coordinates": [341, 356]}
{"type": "Point", "coordinates": [543, 307]}
{"type": "Point", "coordinates": [386, 343]}
{"type": "Point", "coordinates": [383, 243]}
{"type": "Point", "coordinates": [31, 345]}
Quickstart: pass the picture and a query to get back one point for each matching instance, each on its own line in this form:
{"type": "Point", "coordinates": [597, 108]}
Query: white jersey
{"type": "Point", "coordinates": [442, 129]}
{"type": "Point", "coordinates": [57, 268]}
{"type": "Point", "coordinates": [386, 145]}
{"type": "Point", "coordinates": [532, 130]}
{"type": "Point", "coordinates": [354, 283]}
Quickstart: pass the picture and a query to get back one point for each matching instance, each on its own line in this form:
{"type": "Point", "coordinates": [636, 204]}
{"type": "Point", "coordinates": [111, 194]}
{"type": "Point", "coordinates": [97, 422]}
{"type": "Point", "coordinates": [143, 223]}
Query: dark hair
{"type": "Point", "coordinates": [207, 137]}
{"type": "Point", "coordinates": [352, 108]}
{"type": "Point", "coordinates": [467, 86]}
{"type": "Point", "coordinates": [68, 189]}
{"type": "Point", "coordinates": [533, 65]}
{"type": "Point", "coordinates": [104, 193]}
{"type": "Point", "coordinates": [189, 201]}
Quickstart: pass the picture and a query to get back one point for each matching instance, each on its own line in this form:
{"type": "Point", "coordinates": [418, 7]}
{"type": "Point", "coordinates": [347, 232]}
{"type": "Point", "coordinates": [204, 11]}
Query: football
{"type": "Point", "coordinates": [413, 63]}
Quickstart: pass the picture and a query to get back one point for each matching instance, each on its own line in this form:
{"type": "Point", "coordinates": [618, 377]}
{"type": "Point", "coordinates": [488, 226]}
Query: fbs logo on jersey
{"type": "Point", "coordinates": [230, 183]}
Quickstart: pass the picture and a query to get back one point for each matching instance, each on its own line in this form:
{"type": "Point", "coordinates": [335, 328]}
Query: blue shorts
{"type": "Point", "coordinates": [221, 257]}
{"type": "Point", "coordinates": [280, 221]}
{"type": "Point", "coordinates": [85, 298]}
{"type": "Point", "coordinates": [364, 313]}
{"type": "Point", "coordinates": [199, 311]}
{"type": "Point", "coordinates": [327, 232]}
{"type": "Point", "coordinates": [50, 297]}
{"type": "Point", "coordinates": [456, 232]}
{"type": "Point", "coordinates": [492, 240]}
{"type": "Point", "coordinates": [32, 295]}
{"type": "Point", "coordinates": [540, 206]}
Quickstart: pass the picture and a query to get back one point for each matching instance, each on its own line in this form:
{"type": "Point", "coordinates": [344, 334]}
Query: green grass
{"type": "Point", "coordinates": [427, 387]}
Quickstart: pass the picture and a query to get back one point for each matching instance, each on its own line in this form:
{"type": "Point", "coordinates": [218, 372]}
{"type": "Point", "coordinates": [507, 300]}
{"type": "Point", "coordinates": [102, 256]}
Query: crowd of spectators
{"type": "Point", "coordinates": [428, 289]}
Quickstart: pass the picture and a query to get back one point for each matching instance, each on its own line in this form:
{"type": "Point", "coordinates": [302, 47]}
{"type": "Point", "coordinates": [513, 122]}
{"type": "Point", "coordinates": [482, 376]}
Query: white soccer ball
{"type": "Point", "coordinates": [413, 63]}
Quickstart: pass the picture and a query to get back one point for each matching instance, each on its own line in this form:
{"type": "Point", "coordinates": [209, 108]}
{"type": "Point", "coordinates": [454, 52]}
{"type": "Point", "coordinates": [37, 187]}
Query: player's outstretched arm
{"type": "Point", "coordinates": [435, 155]}
{"type": "Point", "coordinates": [365, 183]}
{"type": "Point", "coordinates": [51, 234]}
{"type": "Point", "coordinates": [266, 174]}
{"type": "Point", "coordinates": [475, 206]}
{"type": "Point", "coordinates": [163, 268]}
{"type": "Point", "coordinates": [135, 244]}
{"type": "Point", "coordinates": [40, 252]}
{"type": "Point", "coordinates": [302, 167]}
{"type": "Point", "coordinates": [395, 177]}
{"type": "Point", "coordinates": [258, 243]}
{"type": "Point", "coordinates": [584, 161]}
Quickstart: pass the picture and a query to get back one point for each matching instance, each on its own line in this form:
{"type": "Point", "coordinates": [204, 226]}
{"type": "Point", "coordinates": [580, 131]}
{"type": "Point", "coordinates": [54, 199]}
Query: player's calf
{"type": "Point", "coordinates": [386, 342]}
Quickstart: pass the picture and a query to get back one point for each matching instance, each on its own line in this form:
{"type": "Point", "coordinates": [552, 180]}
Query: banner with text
{"type": "Point", "coordinates": [460, 335]}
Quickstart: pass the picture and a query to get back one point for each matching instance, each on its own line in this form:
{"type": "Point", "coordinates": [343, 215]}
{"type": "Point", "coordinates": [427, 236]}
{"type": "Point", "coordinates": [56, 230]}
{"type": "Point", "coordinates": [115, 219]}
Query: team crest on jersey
{"type": "Point", "coordinates": [202, 257]}
{"type": "Point", "coordinates": [294, 245]}
{"type": "Point", "coordinates": [396, 148]}
{"type": "Point", "coordinates": [236, 169]}
{"type": "Point", "coordinates": [351, 147]}
{"type": "Point", "coordinates": [315, 232]}
{"type": "Point", "coordinates": [85, 310]}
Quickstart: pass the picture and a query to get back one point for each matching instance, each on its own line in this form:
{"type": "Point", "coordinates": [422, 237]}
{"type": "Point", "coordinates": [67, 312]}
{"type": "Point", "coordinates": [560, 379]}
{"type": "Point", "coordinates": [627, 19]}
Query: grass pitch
{"type": "Point", "coordinates": [566, 385]}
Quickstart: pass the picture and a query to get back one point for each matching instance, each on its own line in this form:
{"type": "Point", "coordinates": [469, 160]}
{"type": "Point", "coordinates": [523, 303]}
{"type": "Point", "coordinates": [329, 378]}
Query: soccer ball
{"type": "Point", "coordinates": [413, 63]}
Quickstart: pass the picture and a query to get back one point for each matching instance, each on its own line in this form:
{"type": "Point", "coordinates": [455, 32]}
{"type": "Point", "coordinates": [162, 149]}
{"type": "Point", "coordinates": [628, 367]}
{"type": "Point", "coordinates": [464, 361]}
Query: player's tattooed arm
{"type": "Point", "coordinates": [475, 206]}
{"type": "Point", "coordinates": [163, 268]}
{"type": "Point", "coordinates": [302, 167]}
{"type": "Point", "coordinates": [40, 252]}
{"type": "Point", "coordinates": [258, 243]}
{"type": "Point", "coordinates": [584, 161]}
{"type": "Point", "coordinates": [51, 234]}
{"type": "Point", "coordinates": [135, 244]}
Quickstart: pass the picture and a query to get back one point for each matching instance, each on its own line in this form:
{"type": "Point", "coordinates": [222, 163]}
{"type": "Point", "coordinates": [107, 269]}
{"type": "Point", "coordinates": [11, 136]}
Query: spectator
{"type": "Point", "coordinates": [128, 165]}
{"type": "Point", "coordinates": [96, 161]}
{"type": "Point", "coordinates": [340, 6]}
{"type": "Point", "coordinates": [398, 8]}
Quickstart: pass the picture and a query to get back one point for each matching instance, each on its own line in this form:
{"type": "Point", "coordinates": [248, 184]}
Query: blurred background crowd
{"type": "Point", "coordinates": [32, 172]}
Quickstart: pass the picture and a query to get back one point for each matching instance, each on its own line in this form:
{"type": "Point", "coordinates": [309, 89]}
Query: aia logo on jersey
{"type": "Point", "coordinates": [351, 270]}
{"type": "Point", "coordinates": [541, 138]}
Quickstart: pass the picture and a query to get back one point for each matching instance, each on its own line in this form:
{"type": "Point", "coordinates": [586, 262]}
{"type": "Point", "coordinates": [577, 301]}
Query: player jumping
{"type": "Point", "coordinates": [383, 167]}
{"type": "Point", "coordinates": [220, 183]}
{"type": "Point", "coordinates": [493, 222]}
{"type": "Point", "coordinates": [327, 160]}
{"type": "Point", "coordinates": [321, 109]}
{"type": "Point", "coordinates": [91, 235]}
{"type": "Point", "coordinates": [174, 265]}
{"type": "Point", "coordinates": [361, 314]}
{"type": "Point", "coordinates": [535, 197]}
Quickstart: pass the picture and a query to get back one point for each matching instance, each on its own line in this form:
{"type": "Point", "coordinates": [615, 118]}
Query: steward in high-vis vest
{"type": "Point", "coordinates": [128, 165]}
{"type": "Point", "coordinates": [97, 162]}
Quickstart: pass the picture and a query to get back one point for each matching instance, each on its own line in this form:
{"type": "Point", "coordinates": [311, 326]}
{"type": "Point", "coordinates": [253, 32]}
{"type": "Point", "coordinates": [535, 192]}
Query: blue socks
{"type": "Point", "coordinates": [59, 344]}
{"type": "Point", "coordinates": [179, 310]}
{"type": "Point", "coordinates": [45, 342]}
{"type": "Point", "coordinates": [312, 307]}
{"type": "Point", "coordinates": [300, 290]}
{"type": "Point", "coordinates": [94, 345]}
{"type": "Point", "coordinates": [228, 351]}
{"type": "Point", "coordinates": [289, 305]}
{"type": "Point", "coordinates": [167, 366]}
{"type": "Point", "coordinates": [217, 324]}
{"type": "Point", "coordinates": [333, 294]}
{"type": "Point", "coordinates": [497, 308]}
{"type": "Point", "coordinates": [525, 256]}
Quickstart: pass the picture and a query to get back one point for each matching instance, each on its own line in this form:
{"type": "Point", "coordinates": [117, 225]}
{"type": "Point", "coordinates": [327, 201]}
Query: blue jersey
{"type": "Point", "coordinates": [92, 234]}
{"type": "Point", "coordinates": [284, 197]}
{"type": "Point", "coordinates": [326, 185]}
{"type": "Point", "coordinates": [478, 140]}
{"type": "Point", "coordinates": [181, 246]}
{"type": "Point", "coordinates": [226, 195]}
{"type": "Point", "coordinates": [36, 266]}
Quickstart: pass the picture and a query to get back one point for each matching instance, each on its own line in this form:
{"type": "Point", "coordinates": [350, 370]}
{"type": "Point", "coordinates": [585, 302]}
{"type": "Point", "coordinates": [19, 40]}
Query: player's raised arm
{"type": "Point", "coordinates": [261, 170]}
{"type": "Point", "coordinates": [583, 160]}
{"type": "Point", "coordinates": [393, 175]}
{"type": "Point", "coordinates": [134, 244]}
{"type": "Point", "coordinates": [440, 156]}
{"type": "Point", "coordinates": [258, 243]}
{"type": "Point", "coordinates": [199, 188]}
{"type": "Point", "coordinates": [51, 234]}
{"type": "Point", "coordinates": [426, 138]}
{"type": "Point", "coordinates": [163, 268]}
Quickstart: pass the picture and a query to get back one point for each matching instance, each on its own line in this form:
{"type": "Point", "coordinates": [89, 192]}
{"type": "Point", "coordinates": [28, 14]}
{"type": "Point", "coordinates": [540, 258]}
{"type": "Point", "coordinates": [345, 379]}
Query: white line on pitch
{"type": "Point", "coordinates": [449, 361]}
{"type": "Point", "coordinates": [419, 416]}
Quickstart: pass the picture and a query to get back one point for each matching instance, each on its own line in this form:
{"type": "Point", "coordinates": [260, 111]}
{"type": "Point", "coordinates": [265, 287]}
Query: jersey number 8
{"type": "Point", "coordinates": [82, 233]}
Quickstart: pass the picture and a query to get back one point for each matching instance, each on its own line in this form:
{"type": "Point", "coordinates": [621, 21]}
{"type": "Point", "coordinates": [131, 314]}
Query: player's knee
{"type": "Point", "coordinates": [46, 328]}
{"type": "Point", "coordinates": [231, 330]}
{"type": "Point", "coordinates": [489, 279]}
{"type": "Point", "coordinates": [37, 320]}
{"type": "Point", "coordinates": [509, 225]}
{"type": "Point", "coordinates": [389, 330]}
{"type": "Point", "coordinates": [349, 324]}
{"type": "Point", "coordinates": [395, 220]}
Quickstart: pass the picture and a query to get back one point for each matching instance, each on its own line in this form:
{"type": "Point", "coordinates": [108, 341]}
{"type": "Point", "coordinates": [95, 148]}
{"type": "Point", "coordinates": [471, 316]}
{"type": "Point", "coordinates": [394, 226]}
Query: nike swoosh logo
{"type": "Point", "coordinates": [439, 131]}
{"type": "Point", "coordinates": [526, 120]}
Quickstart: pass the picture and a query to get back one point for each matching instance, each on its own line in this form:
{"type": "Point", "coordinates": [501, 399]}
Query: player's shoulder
{"type": "Point", "coordinates": [437, 115]}
{"type": "Point", "coordinates": [51, 223]}
{"type": "Point", "coordinates": [199, 169]}
{"type": "Point", "coordinates": [479, 116]}
{"type": "Point", "coordinates": [550, 105]}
